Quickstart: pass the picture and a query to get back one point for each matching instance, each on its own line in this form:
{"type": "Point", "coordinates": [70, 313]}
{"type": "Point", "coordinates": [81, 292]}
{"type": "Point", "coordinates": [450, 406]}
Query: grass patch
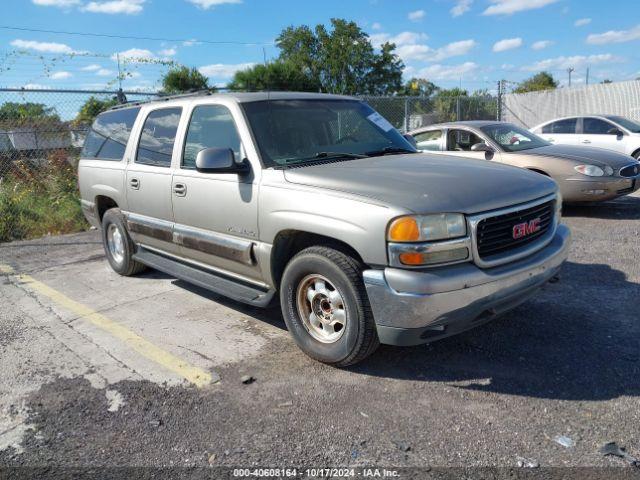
{"type": "Point", "coordinates": [39, 201]}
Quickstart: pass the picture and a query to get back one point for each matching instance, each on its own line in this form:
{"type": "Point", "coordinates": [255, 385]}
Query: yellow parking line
{"type": "Point", "coordinates": [195, 375]}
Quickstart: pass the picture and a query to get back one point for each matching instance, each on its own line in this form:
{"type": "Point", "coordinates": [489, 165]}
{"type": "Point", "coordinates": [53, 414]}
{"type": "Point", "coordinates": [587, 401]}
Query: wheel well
{"type": "Point", "coordinates": [636, 153]}
{"type": "Point", "coordinates": [290, 242]}
{"type": "Point", "coordinates": [103, 204]}
{"type": "Point", "coordinates": [541, 172]}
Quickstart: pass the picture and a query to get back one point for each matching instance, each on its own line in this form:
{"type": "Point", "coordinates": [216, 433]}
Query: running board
{"type": "Point", "coordinates": [205, 279]}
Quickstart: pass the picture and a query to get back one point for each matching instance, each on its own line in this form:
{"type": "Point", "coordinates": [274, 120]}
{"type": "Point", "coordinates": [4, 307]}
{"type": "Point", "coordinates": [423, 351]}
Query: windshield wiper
{"type": "Point", "coordinates": [325, 156]}
{"type": "Point", "coordinates": [389, 151]}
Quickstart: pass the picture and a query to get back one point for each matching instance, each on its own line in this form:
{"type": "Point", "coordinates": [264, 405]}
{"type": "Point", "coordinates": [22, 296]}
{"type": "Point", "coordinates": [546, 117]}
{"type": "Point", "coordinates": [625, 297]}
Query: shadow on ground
{"type": "Point", "coordinates": [579, 339]}
{"type": "Point", "coordinates": [624, 208]}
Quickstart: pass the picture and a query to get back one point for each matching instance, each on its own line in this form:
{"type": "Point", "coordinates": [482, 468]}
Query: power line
{"type": "Point", "coordinates": [127, 37]}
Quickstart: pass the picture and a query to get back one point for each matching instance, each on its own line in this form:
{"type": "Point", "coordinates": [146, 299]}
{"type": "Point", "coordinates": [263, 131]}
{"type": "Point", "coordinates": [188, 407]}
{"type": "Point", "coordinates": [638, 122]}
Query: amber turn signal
{"type": "Point", "coordinates": [404, 229]}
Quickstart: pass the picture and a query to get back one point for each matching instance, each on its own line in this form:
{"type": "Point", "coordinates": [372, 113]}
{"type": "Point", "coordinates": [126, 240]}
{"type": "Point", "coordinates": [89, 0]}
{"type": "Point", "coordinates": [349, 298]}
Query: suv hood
{"type": "Point", "coordinates": [428, 183]}
{"type": "Point", "coordinates": [581, 155]}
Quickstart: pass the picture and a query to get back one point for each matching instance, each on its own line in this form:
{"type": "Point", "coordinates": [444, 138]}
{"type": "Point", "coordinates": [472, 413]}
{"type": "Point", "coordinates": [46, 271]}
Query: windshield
{"type": "Point", "coordinates": [625, 123]}
{"type": "Point", "coordinates": [512, 138]}
{"type": "Point", "coordinates": [305, 131]}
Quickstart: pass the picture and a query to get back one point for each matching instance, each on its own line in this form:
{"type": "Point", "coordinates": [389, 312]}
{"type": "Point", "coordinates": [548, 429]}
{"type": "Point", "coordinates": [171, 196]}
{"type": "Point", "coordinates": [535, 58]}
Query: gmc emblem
{"type": "Point", "coordinates": [526, 228]}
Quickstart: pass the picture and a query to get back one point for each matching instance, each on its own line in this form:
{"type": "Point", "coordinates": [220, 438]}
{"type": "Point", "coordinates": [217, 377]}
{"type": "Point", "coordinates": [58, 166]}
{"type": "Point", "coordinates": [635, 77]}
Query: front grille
{"type": "Point", "coordinates": [630, 170]}
{"type": "Point", "coordinates": [495, 235]}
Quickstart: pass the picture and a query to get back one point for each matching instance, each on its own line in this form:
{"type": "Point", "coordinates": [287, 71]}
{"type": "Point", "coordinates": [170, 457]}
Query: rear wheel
{"type": "Point", "coordinates": [326, 308]}
{"type": "Point", "coordinates": [118, 245]}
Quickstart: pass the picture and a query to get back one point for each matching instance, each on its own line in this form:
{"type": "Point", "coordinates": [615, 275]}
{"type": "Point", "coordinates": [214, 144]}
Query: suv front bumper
{"type": "Point", "coordinates": [413, 307]}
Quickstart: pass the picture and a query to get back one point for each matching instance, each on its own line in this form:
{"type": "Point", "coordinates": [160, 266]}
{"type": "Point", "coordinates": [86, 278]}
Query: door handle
{"type": "Point", "coordinates": [135, 183]}
{"type": "Point", "coordinates": [180, 189]}
{"type": "Point", "coordinates": [586, 141]}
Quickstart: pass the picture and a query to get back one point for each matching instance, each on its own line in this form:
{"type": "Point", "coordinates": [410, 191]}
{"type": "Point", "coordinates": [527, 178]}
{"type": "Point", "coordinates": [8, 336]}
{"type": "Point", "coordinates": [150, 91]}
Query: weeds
{"type": "Point", "coordinates": [40, 200]}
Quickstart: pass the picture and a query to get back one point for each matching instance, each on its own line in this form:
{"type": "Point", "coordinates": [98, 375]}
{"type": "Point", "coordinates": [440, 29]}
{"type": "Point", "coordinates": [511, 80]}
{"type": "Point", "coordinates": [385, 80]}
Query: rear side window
{"type": "Point", "coordinates": [211, 126]}
{"type": "Point", "coordinates": [561, 126]}
{"type": "Point", "coordinates": [107, 139]}
{"type": "Point", "coordinates": [158, 136]}
{"type": "Point", "coordinates": [595, 126]}
{"type": "Point", "coordinates": [429, 140]}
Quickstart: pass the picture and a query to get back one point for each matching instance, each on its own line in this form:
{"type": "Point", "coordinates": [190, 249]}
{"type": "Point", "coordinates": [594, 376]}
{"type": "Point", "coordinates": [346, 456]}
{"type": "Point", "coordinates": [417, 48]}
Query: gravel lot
{"type": "Point", "coordinates": [71, 394]}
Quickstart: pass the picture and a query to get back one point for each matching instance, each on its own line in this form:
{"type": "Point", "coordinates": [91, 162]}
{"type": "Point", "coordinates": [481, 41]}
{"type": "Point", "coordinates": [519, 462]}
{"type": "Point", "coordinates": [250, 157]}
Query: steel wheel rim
{"type": "Point", "coordinates": [321, 308]}
{"type": "Point", "coordinates": [115, 243]}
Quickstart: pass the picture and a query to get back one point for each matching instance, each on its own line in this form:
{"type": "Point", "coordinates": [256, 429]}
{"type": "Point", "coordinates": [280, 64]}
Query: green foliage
{"type": "Point", "coordinates": [419, 87]}
{"type": "Point", "coordinates": [92, 108]}
{"type": "Point", "coordinates": [40, 201]}
{"type": "Point", "coordinates": [336, 60]}
{"type": "Point", "coordinates": [456, 104]}
{"type": "Point", "coordinates": [183, 80]}
{"type": "Point", "coordinates": [540, 81]}
{"type": "Point", "coordinates": [276, 75]}
{"type": "Point", "coordinates": [20, 114]}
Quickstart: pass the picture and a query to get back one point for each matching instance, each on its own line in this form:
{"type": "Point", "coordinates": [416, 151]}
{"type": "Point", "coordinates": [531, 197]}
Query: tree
{"type": "Point", "coordinates": [183, 80]}
{"type": "Point", "coordinates": [419, 87]}
{"type": "Point", "coordinates": [540, 81]}
{"type": "Point", "coordinates": [342, 59]}
{"type": "Point", "coordinates": [92, 108]}
{"type": "Point", "coordinates": [446, 102]}
{"type": "Point", "coordinates": [14, 114]}
{"type": "Point", "coordinates": [276, 75]}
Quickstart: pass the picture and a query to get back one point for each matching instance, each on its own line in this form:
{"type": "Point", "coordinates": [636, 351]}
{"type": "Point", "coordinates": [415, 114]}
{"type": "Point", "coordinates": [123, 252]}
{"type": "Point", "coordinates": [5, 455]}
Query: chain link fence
{"type": "Point", "coordinates": [534, 108]}
{"type": "Point", "coordinates": [42, 132]}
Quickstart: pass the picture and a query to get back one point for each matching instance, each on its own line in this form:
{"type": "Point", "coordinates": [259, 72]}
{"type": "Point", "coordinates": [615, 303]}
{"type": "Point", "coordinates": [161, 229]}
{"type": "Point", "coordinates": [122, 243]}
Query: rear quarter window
{"type": "Point", "coordinates": [107, 139]}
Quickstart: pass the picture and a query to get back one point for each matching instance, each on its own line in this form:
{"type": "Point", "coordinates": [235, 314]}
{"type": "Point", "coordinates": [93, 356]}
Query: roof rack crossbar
{"type": "Point", "coordinates": [164, 98]}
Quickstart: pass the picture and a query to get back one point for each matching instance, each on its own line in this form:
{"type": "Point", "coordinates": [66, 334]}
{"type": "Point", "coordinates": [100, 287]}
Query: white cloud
{"type": "Point", "coordinates": [576, 61]}
{"type": "Point", "coordinates": [207, 4]}
{"type": "Point", "coordinates": [447, 72]}
{"type": "Point", "coordinates": [190, 43]}
{"type": "Point", "coordinates": [507, 44]}
{"type": "Point", "coordinates": [45, 47]}
{"type": "Point", "coordinates": [168, 52]}
{"type": "Point", "coordinates": [416, 16]}
{"type": "Point", "coordinates": [615, 36]}
{"type": "Point", "coordinates": [62, 75]}
{"type": "Point", "coordinates": [509, 7]}
{"type": "Point", "coordinates": [376, 26]}
{"type": "Point", "coordinates": [35, 86]}
{"type": "Point", "coordinates": [113, 7]}
{"type": "Point", "coordinates": [134, 54]}
{"type": "Point", "coordinates": [56, 3]}
{"type": "Point", "coordinates": [461, 7]}
{"type": "Point", "coordinates": [91, 68]}
{"type": "Point", "coordinates": [541, 44]}
{"type": "Point", "coordinates": [105, 72]}
{"type": "Point", "coordinates": [581, 22]}
{"type": "Point", "coordinates": [403, 38]}
{"type": "Point", "coordinates": [221, 70]}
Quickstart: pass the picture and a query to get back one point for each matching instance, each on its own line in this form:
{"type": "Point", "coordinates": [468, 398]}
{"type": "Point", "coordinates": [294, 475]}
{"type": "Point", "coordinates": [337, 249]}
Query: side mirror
{"type": "Point", "coordinates": [411, 140]}
{"type": "Point", "coordinates": [615, 131]}
{"type": "Point", "coordinates": [481, 147]}
{"type": "Point", "coordinates": [219, 160]}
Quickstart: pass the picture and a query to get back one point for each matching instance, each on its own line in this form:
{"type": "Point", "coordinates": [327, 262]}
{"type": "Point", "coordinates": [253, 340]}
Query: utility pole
{"type": "Point", "coordinates": [499, 106]}
{"type": "Point", "coordinates": [570, 70]}
{"type": "Point", "coordinates": [587, 78]}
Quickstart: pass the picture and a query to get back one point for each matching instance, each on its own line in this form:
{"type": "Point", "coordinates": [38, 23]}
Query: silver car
{"type": "Point", "coordinates": [316, 200]}
{"type": "Point", "coordinates": [584, 174]}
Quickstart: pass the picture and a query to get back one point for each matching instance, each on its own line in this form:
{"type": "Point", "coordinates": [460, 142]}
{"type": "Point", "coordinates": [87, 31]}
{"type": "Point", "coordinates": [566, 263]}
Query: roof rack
{"type": "Point", "coordinates": [164, 98]}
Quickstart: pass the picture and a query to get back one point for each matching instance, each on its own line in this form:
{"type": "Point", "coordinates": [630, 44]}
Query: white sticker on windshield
{"type": "Point", "coordinates": [380, 121]}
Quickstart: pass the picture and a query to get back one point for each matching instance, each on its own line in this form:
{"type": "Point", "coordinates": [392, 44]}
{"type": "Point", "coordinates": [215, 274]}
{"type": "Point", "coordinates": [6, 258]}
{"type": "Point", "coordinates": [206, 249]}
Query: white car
{"type": "Point", "coordinates": [612, 132]}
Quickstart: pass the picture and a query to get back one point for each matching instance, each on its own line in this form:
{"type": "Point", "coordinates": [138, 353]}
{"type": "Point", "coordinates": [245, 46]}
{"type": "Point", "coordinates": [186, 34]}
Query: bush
{"type": "Point", "coordinates": [40, 200]}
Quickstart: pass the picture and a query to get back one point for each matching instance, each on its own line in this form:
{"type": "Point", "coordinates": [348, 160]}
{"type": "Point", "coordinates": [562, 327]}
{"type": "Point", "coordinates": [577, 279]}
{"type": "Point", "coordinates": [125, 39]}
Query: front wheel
{"type": "Point", "coordinates": [326, 308]}
{"type": "Point", "coordinates": [118, 245]}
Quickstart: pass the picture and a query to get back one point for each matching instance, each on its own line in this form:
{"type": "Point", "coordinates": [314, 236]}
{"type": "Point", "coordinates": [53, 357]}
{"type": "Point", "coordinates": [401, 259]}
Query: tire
{"type": "Point", "coordinates": [118, 245]}
{"type": "Point", "coordinates": [339, 297]}
{"type": "Point", "coordinates": [636, 155]}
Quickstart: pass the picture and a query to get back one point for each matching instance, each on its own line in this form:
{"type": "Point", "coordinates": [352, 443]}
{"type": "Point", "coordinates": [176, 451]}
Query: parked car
{"type": "Point", "coordinates": [584, 174]}
{"type": "Point", "coordinates": [317, 199]}
{"type": "Point", "coordinates": [612, 132]}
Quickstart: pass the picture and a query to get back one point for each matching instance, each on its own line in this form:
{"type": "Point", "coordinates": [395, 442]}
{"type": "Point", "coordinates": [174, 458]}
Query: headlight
{"type": "Point", "coordinates": [589, 170]}
{"type": "Point", "coordinates": [608, 171]}
{"type": "Point", "coordinates": [427, 228]}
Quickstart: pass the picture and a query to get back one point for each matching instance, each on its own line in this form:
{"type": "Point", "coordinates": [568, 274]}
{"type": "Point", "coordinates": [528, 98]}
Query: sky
{"type": "Point", "coordinates": [472, 43]}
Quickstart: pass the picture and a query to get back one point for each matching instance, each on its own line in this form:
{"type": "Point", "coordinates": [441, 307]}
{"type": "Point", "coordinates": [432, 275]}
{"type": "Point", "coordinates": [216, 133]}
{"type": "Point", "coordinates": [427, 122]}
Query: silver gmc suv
{"type": "Point", "coordinates": [318, 200]}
